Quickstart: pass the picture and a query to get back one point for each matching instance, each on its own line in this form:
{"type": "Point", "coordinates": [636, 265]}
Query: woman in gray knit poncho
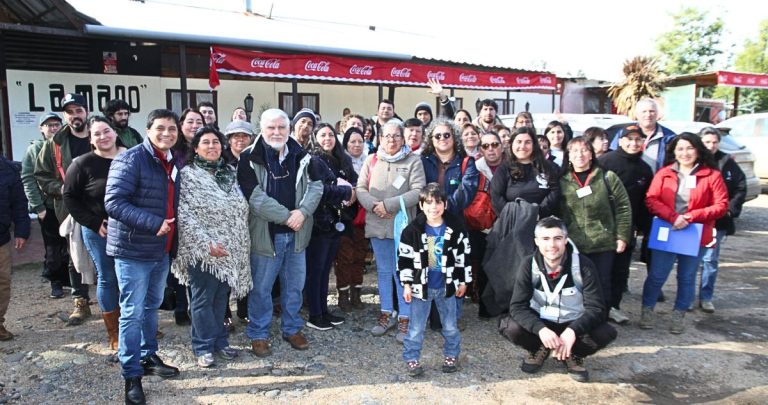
{"type": "Point", "coordinates": [213, 243]}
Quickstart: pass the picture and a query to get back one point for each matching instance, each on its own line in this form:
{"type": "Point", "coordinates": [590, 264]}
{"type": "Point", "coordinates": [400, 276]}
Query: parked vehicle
{"type": "Point", "coordinates": [577, 122]}
{"type": "Point", "coordinates": [751, 130]}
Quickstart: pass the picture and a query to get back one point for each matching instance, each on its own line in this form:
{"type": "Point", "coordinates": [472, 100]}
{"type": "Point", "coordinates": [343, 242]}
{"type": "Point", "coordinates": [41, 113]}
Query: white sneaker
{"type": "Point", "coordinates": [617, 316]}
{"type": "Point", "coordinates": [707, 307]}
{"type": "Point", "coordinates": [206, 360]}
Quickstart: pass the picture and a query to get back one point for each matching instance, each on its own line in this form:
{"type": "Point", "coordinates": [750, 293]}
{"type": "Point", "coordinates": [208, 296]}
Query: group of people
{"type": "Point", "coordinates": [539, 229]}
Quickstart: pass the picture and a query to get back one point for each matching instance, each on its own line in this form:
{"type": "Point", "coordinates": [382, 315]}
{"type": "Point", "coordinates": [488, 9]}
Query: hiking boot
{"type": "Point", "coordinates": [134, 393]}
{"type": "Point", "coordinates": [617, 316]}
{"type": "Point", "coordinates": [206, 360]}
{"type": "Point", "coordinates": [576, 369]}
{"type": "Point", "coordinates": [678, 322]}
{"type": "Point", "coordinates": [535, 360]}
{"type": "Point", "coordinates": [4, 334]}
{"type": "Point", "coordinates": [646, 318]}
{"type": "Point", "coordinates": [112, 321]}
{"type": "Point", "coordinates": [707, 307]}
{"type": "Point", "coordinates": [297, 341]}
{"type": "Point", "coordinates": [57, 290]}
{"type": "Point", "coordinates": [81, 312]}
{"type": "Point", "coordinates": [319, 323]}
{"type": "Point", "coordinates": [354, 297]}
{"type": "Point", "coordinates": [402, 330]}
{"type": "Point", "coordinates": [383, 324]}
{"type": "Point", "coordinates": [260, 348]}
{"type": "Point", "coordinates": [450, 365]}
{"type": "Point", "coordinates": [333, 319]}
{"type": "Point", "coordinates": [414, 368]}
{"type": "Point", "coordinates": [344, 300]}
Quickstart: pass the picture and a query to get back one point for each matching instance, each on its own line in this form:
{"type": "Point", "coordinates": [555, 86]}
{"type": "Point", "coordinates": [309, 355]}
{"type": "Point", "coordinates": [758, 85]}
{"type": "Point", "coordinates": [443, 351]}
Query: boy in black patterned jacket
{"type": "Point", "coordinates": [431, 266]}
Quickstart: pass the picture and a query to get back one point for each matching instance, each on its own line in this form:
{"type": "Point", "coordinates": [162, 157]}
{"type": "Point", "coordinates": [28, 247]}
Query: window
{"type": "Point", "coordinates": [194, 97]}
{"type": "Point", "coordinates": [306, 100]}
{"type": "Point", "coordinates": [505, 106]}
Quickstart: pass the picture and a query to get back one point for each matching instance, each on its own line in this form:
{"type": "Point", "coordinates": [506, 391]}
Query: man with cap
{"type": "Point", "coordinates": [302, 125]}
{"type": "Point", "coordinates": [636, 175]}
{"type": "Point", "coordinates": [52, 162]}
{"type": "Point", "coordinates": [56, 260]}
{"type": "Point", "coordinates": [424, 111]}
{"type": "Point", "coordinates": [239, 136]}
{"type": "Point", "coordinates": [118, 112]}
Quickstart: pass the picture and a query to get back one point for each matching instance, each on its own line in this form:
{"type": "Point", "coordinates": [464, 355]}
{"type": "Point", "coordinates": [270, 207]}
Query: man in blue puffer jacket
{"type": "Point", "coordinates": [657, 136]}
{"type": "Point", "coordinates": [142, 199]}
{"type": "Point", "coordinates": [13, 208]}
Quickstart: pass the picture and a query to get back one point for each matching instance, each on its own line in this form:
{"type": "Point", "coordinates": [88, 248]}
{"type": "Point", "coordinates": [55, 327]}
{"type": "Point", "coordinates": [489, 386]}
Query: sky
{"type": "Point", "coordinates": [564, 37]}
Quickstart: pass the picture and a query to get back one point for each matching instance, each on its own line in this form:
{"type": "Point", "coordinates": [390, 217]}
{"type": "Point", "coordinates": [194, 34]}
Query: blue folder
{"type": "Point", "coordinates": [684, 241]}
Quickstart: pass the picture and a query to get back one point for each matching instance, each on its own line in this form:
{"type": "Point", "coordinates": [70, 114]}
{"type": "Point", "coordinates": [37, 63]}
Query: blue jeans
{"type": "Point", "coordinates": [208, 303]}
{"type": "Point", "coordinates": [321, 253]}
{"type": "Point", "coordinates": [661, 265]}
{"type": "Point", "coordinates": [384, 252]}
{"type": "Point", "coordinates": [141, 293]}
{"type": "Point", "coordinates": [107, 291]}
{"type": "Point", "coordinates": [418, 322]}
{"type": "Point", "coordinates": [709, 266]}
{"type": "Point", "coordinates": [290, 266]}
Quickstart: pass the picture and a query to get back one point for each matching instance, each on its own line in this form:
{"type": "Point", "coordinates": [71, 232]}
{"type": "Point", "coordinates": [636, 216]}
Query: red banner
{"type": "Point", "coordinates": [338, 68]}
{"type": "Point", "coordinates": [737, 79]}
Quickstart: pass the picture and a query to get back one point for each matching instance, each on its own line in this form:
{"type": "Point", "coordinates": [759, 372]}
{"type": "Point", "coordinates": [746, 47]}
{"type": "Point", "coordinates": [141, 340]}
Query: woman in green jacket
{"type": "Point", "coordinates": [596, 208]}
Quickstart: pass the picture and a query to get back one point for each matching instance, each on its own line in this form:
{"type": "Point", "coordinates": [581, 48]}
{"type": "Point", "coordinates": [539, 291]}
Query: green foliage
{"type": "Point", "coordinates": [754, 59]}
{"type": "Point", "coordinates": [692, 45]}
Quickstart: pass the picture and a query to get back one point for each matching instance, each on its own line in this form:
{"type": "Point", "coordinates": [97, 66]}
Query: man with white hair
{"type": "Point", "coordinates": [656, 136]}
{"type": "Point", "coordinates": [274, 176]}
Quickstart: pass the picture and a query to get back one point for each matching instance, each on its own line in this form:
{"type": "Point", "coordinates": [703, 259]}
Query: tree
{"type": "Point", "coordinates": [642, 79]}
{"type": "Point", "coordinates": [693, 45]}
{"type": "Point", "coordinates": [754, 59]}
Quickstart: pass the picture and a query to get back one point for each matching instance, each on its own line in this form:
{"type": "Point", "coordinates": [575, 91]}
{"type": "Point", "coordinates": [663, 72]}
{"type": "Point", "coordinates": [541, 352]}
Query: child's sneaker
{"type": "Point", "coordinates": [450, 365]}
{"type": "Point", "coordinates": [414, 368]}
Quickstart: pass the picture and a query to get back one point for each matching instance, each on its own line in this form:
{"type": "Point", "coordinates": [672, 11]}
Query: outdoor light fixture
{"type": "Point", "coordinates": [248, 105]}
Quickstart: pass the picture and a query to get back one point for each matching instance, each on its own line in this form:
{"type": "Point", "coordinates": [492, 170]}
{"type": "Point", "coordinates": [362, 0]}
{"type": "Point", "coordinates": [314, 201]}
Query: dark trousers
{"type": "Point", "coordinates": [604, 264]}
{"type": "Point", "coordinates": [585, 345]}
{"type": "Point", "coordinates": [56, 264]}
{"type": "Point", "coordinates": [242, 308]}
{"type": "Point", "coordinates": [477, 242]}
{"type": "Point", "coordinates": [321, 253]}
{"type": "Point", "coordinates": [182, 303]}
{"type": "Point", "coordinates": [620, 274]}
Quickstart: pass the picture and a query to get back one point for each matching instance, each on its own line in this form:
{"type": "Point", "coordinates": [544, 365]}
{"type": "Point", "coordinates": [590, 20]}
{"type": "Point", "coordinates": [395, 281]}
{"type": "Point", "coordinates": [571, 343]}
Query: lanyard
{"type": "Point", "coordinates": [586, 182]}
{"type": "Point", "coordinates": [551, 295]}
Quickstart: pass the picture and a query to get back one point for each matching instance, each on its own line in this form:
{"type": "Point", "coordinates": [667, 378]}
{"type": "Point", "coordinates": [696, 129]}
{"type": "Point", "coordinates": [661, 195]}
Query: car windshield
{"type": "Point", "coordinates": [728, 143]}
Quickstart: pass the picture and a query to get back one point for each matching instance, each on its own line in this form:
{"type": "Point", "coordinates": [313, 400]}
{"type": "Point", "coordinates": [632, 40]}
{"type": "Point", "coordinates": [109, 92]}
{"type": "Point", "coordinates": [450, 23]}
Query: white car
{"type": "Point", "coordinates": [578, 122]}
{"type": "Point", "coordinates": [751, 130]}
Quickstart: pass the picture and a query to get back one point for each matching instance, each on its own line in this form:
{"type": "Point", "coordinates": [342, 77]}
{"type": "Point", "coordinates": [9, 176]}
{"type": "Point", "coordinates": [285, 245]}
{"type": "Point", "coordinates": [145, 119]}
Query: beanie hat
{"type": "Point", "coordinates": [348, 134]}
{"type": "Point", "coordinates": [238, 126]}
{"type": "Point", "coordinates": [423, 106]}
{"type": "Point", "coordinates": [304, 113]}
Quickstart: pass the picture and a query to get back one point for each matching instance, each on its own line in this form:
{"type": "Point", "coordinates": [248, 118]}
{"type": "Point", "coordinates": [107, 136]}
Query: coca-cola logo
{"type": "Point", "coordinates": [218, 57]}
{"type": "Point", "coordinates": [764, 81]}
{"type": "Point", "coordinates": [320, 66]}
{"type": "Point", "coordinates": [265, 63]}
{"type": "Point", "coordinates": [366, 70]}
{"type": "Point", "coordinates": [466, 78]}
{"type": "Point", "coordinates": [439, 75]}
{"type": "Point", "coordinates": [737, 79]}
{"type": "Point", "coordinates": [403, 72]}
{"type": "Point", "coordinates": [751, 80]}
{"type": "Point", "coordinates": [498, 80]}
{"type": "Point", "coordinates": [546, 80]}
{"type": "Point", "coordinates": [523, 80]}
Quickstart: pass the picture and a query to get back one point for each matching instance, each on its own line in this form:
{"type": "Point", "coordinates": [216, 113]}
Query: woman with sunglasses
{"type": "Point", "coordinates": [84, 187]}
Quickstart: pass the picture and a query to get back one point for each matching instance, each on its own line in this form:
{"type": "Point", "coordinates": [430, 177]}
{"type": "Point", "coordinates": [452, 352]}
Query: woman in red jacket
{"type": "Point", "coordinates": [688, 189]}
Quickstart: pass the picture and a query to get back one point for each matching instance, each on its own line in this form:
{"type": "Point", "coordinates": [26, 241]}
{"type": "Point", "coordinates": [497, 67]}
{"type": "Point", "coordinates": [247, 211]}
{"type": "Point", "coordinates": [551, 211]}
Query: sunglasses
{"type": "Point", "coordinates": [493, 145]}
{"type": "Point", "coordinates": [444, 135]}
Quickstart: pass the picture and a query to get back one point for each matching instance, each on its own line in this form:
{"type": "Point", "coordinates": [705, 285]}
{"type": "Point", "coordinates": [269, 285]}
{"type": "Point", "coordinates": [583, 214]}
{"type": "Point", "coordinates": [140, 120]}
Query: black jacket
{"type": "Point", "coordinates": [504, 189]}
{"type": "Point", "coordinates": [13, 202]}
{"type": "Point", "coordinates": [736, 183]}
{"type": "Point", "coordinates": [636, 176]}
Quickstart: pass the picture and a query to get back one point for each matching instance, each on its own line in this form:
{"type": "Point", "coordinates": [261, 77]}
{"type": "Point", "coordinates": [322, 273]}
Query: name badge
{"type": "Point", "coordinates": [399, 181]}
{"type": "Point", "coordinates": [690, 182]}
{"type": "Point", "coordinates": [549, 313]}
{"type": "Point", "coordinates": [584, 191]}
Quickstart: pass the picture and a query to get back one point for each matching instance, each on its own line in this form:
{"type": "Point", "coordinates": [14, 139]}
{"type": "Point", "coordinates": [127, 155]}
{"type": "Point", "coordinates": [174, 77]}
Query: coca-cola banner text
{"type": "Point", "coordinates": [736, 79]}
{"type": "Point", "coordinates": [337, 68]}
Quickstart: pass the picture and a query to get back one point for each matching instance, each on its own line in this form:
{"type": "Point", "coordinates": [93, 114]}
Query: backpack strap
{"type": "Point", "coordinates": [610, 194]}
{"type": "Point", "coordinates": [57, 156]}
{"type": "Point", "coordinates": [464, 165]}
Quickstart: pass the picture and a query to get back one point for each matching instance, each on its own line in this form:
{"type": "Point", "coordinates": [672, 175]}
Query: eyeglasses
{"type": "Point", "coordinates": [389, 136]}
{"type": "Point", "coordinates": [493, 145]}
{"type": "Point", "coordinates": [53, 125]}
{"type": "Point", "coordinates": [444, 135]}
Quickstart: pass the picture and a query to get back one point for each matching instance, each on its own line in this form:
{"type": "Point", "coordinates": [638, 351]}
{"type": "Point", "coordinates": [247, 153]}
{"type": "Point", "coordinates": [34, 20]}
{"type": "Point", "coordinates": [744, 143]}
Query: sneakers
{"type": "Point", "coordinates": [450, 365]}
{"type": "Point", "coordinates": [707, 307]}
{"type": "Point", "coordinates": [646, 318]}
{"type": "Point", "coordinates": [206, 360]}
{"type": "Point", "coordinates": [319, 323]}
{"type": "Point", "coordinates": [402, 329]}
{"type": "Point", "coordinates": [57, 290]}
{"type": "Point", "coordinates": [297, 341]}
{"type": "Point", "coordinates": [617, 316]}
{"type": "Point", "coordinates": [228, 353]}
{"type": "Point", "coordinates": [260, 348]}
{"type": "Point", "coordinates": [414, 368]}
{"type": "Point", "coordinates": [4, 334]}
{"type": "Point", "coordinates": [576, 369]}
{"type": "Point", "coordinates": [81, 312]}
{"type": "Point", "coordinates": [333, 319]}
{"type": "Point", "coordinates": [383, 324]}
{"type": "Point", "coordinates": [678, 322]}
{"type": "Point", "coordinates": [535, 360]}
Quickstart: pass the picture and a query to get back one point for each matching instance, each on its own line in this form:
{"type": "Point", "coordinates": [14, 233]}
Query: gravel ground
{"type": "Point", "coordinates": [721, 358]}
